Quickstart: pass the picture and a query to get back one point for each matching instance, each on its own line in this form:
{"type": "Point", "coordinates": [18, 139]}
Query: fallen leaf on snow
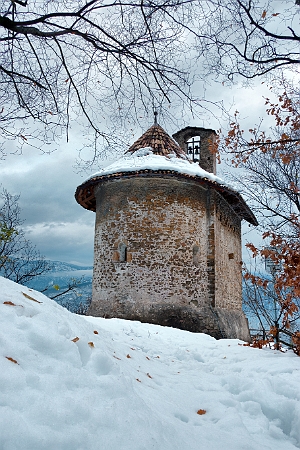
{"type": "Point", "coordinates": [201, 412]}
{"type": "Point", "coordinates": [11, 359]}
{"type": "Point", "coordinates": [75, 339]}
{"type": "Point", "coordinates": [30, 298]}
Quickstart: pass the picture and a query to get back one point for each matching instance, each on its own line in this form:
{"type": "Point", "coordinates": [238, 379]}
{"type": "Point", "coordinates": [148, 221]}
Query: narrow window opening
{"type": "Point", "coordinates": [193, 148]}
{"type": "Point", "coordinates": [231, 255]}
{"type": "Point", "coordinates": [196, 255]}
{"type": "Point", "coordinates": [123, 252]}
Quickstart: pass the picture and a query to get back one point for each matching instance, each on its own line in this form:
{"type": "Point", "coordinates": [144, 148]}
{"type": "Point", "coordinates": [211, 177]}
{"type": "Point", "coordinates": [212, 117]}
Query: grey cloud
{"type": "Point", "coordinates": [47, 185]}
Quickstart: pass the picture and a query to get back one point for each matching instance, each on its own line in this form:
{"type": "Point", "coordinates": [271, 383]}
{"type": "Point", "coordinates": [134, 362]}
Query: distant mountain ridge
{"type": "Point", "coordinates": [61, 266]}
{"type": "Point", "coordinates": [57, 279]}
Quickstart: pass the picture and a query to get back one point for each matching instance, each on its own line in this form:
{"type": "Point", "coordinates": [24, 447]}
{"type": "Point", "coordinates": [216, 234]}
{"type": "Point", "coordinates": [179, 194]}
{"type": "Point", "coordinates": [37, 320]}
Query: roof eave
{"type": "Point", "coordinates": [85, 195]}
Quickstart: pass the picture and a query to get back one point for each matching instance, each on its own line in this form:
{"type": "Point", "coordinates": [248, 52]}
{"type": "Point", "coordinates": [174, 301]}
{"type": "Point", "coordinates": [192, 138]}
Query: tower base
{"type": "Point", "coordinates": [217, 322]}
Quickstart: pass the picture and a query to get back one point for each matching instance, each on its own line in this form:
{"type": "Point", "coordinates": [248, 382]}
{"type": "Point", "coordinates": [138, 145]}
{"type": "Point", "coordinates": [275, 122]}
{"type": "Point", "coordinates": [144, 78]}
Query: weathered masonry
{"type": "Point", "coordinates": [168, 236]}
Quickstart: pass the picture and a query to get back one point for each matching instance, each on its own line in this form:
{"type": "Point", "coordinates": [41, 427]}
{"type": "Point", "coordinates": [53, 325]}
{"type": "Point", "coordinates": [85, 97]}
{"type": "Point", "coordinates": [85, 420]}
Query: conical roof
{"type": "Point", "coordinates": [159, 141]}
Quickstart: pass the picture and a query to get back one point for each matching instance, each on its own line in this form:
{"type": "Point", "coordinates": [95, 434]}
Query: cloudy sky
{"type": "Point", "coordinates": [54, 222]}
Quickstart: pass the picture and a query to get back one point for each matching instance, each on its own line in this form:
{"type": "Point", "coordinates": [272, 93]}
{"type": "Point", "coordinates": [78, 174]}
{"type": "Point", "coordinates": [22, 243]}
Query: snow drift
{"type": "Point", "coordinates": [81, 383]}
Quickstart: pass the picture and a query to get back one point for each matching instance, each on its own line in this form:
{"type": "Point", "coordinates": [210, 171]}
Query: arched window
{"type": "Point", "coordinates": [123, 252]}
{"type": "Point", "coordinates": [193, 148]}
{"type": "Point", "coordinates": [196, 254]}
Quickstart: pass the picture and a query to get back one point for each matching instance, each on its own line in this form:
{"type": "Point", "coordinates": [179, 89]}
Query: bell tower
{"type": "Point", "coordinates": [198, 144]}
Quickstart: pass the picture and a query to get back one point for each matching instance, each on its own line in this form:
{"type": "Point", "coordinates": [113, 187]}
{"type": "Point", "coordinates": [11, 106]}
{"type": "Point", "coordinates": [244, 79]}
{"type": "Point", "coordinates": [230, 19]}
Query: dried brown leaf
{"type": "Point", "coordinates": [30, 298]}
{"type": "Point", "coordinates": [11, 359]}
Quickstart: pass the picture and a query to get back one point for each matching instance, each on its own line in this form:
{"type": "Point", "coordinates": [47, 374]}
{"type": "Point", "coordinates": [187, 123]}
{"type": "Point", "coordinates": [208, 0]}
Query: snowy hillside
{"type": "Point", "coordinates": [75, 383]}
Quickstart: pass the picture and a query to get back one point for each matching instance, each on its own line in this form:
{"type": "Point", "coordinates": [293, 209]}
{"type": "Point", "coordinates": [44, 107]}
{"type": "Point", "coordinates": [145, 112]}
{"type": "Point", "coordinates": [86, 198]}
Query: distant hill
{"type": "Point", "coordinates": [58, 279]}
{"type": "Point", "coordinates": [60, 266]}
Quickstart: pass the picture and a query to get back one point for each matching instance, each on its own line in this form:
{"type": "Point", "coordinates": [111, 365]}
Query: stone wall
{"type": "Point", "coordinates": [162, 223]}
{"type": "Point", "coordinates": [228, 257]}
{"type": "Point", "coordinates": [155, 255]}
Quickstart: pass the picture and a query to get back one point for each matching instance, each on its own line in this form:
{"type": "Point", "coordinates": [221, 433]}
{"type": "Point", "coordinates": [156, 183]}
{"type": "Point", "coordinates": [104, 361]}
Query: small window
{"type": "Point", "coordinates": [123, 252]}
{"type": "Point", "coordinates": [231, 255]}
{"type": "Point", "coordinates": [196, 254]}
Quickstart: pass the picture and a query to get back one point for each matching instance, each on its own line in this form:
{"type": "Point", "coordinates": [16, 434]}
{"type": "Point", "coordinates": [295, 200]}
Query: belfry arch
{"type": "Point", "coordinates": [207, 159]}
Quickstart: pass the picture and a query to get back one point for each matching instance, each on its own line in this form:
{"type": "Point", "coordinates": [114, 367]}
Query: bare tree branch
{"type": "Point", "coordinates": [62, 60]}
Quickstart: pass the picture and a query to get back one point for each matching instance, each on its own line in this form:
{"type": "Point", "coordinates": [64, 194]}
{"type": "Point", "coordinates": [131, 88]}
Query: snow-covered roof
{"type": "Point", "coordinates": [146, 159]}
{"type": "Point", "coordinates": [156, 153]}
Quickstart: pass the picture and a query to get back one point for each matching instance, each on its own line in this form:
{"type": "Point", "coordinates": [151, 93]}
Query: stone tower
{"type": "Point", "coordinates": [168, 236]}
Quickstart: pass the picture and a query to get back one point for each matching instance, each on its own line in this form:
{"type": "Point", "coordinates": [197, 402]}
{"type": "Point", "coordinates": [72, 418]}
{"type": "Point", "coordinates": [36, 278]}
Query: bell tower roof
{"type": "Point", "coordinates": [159, 141]}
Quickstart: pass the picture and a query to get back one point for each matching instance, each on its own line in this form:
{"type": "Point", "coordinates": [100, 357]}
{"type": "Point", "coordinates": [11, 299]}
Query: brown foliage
{"type": "Point", "coordinates": [287, 119]}
{"type": "Point", "coordinates": [282, 224]}
{"type": "Point", "coordinates": [296, 342]}
{"type": "Point", "coordinates": [258, 343]}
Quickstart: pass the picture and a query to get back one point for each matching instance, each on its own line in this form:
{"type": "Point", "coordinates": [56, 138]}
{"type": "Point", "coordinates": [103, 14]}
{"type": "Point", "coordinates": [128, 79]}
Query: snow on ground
{"type": "Point", "coordinates": [145, 159]}
{"type": "Point", "coordinates": [74, 383]}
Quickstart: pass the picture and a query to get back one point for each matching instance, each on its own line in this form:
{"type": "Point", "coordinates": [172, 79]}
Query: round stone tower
{"type": "Point", "coordinates": [168, 237]}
